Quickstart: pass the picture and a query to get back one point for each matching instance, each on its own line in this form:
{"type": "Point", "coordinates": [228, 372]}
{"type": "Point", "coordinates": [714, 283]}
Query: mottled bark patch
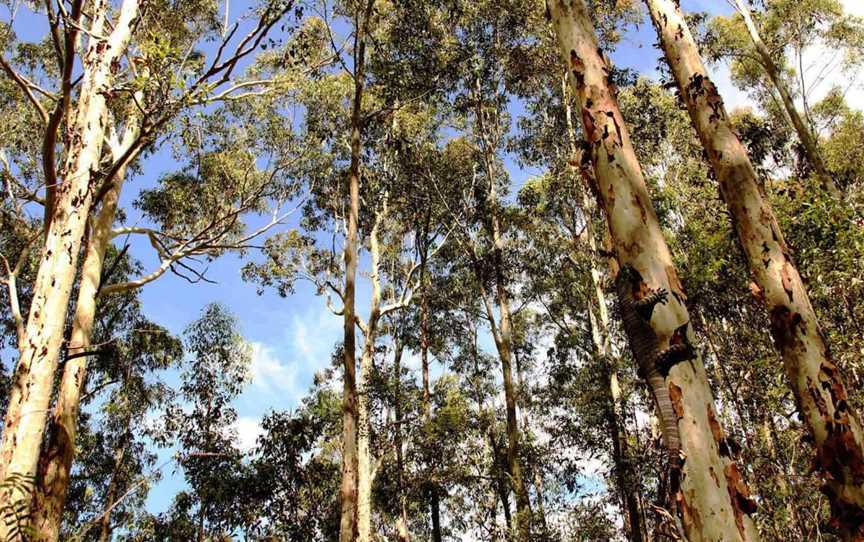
{"type": "Point", "coordinates": [677, 398]}
{"type": "Point", "coordinates": [716, 429]}
{"type": "Point", "coordinates": [739, 495]}
{"type": "Point", "coordinates": [786, 280]}
{"type": "Point", "coordinates": [690, 517]}
{"type": "Point", "coordinates": [713, 474]}
{"type": "Point", "coordinates": [675, 284]}
{"type": "Point", "coordinates": [785, 327]}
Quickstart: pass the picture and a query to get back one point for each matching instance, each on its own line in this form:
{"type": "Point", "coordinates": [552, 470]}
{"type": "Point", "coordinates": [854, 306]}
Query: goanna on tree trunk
{"type": "Point", "coordinates": [814, 378]}
{"type": "Point", "coordinates": [34, 376]}
{"type": "Point", "coordinates": [712, 501]}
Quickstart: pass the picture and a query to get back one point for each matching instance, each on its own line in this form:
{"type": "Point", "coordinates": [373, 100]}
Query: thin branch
{"type": "Point", "coordinates": [27, 86]}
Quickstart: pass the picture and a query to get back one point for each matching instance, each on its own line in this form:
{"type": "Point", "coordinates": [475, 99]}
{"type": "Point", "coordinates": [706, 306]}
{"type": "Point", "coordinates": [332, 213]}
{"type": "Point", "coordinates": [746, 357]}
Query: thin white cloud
{"type": "Point", "coordinates": [312, 336]}
{"type": "Point", "coordinates": [248, 430]}
{"type": "Point", "coordinates": [269, 373]}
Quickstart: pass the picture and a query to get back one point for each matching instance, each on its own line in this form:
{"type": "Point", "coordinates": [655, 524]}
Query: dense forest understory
{"type": "Point", "coordinates": [562, 299]}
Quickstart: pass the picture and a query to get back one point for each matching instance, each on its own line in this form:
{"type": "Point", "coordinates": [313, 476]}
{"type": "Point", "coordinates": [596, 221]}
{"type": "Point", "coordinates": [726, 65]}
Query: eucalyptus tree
{"type": "Point", "coordinates": [753, 403]}
{"type": "Point", "coordinates": [563, 246]}
{"type": "Point", "coordinates": [295, 479]}
{"type": "Point", "coordinates": [120, 54]}
{"type": "Point", "coordinates": [814, 378]}
{"type": "Point", "coordinates": [66, 208]}
{"type": "Point", "coordinates": [215, 374]}
{"type": "Point", "coordinates": [703, 506]}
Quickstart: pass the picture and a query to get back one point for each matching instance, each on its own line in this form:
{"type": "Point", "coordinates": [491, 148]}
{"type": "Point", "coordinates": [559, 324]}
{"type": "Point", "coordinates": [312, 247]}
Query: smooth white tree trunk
{"type": "Point", "coordinates": [711, 488]}
{"type": "Point", "coordinates": [33, 379]}
{"type": "Point", "coordinates": [813, 376]}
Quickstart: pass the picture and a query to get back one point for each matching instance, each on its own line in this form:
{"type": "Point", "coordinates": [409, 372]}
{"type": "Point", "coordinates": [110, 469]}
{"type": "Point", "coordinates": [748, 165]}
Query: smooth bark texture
{"type": "Point", "coordinates": [814, 378]}
{"type": "Point", "coordinates": [348, 489]}
{"type": "Point", "coordinates": [34, 376]}
{"type": "Point", "coordinates": [805, 135]}
{"type": "Point", "coordinates": [712, 494]}
{"type": "Point", "coordinates": [502, 333]}
{"type": "Point", "coordinates": [55, 462]}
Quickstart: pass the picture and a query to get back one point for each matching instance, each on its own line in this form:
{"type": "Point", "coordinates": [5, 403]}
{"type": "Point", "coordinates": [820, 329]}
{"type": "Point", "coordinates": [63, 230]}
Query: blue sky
{"type": "Point", "coordinates": [293, 338]}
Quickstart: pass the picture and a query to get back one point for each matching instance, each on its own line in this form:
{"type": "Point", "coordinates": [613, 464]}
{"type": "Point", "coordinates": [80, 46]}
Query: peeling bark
{"type": "Point", "coordinates": [34, 376]}
{"type": "Point", "coordinates": [813, 377]}
{"type": "Point", "coordinates": [705, 509]}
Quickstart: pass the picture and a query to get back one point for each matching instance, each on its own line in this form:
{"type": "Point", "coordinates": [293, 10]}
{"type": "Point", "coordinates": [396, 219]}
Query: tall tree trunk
{"type": "Point", "coordinates": [625, 476]}
{"type": "Point", "coordinates": [435, 506]}
{"type": "Point", "coordinates": [712, 499]}
{"type": "Point", "coordinates": [34, 376]}
{"type": "Point", "coordinates": [537, 476]}
{"type": "Point", "coordinates": [503, 335]}
{"type": "Point", "coordinates": [402, 523]}
{"type": "Point", "coordinates": [501, 471]}
{"type": "Point", "coordinates": [424, 322]}
{"type": "Point", "coordinates": [348, 488]}
{"type": "Point", "coordinates": [55, 462]}
{"type": "Point", "coordinates": [433, 491]}
{"type": "Point", "coordinates": [364, 460]}
{"type": "Point", "coordinates": [814, 378]}
{"type": "Point", "coordinates": [805, 134]}
{"type": "Point", "coordinates": [349, 530]}
{"type": "Point", "coordinates": [111, 493]}
{"type": "Point", "coordinates": [364, 463]}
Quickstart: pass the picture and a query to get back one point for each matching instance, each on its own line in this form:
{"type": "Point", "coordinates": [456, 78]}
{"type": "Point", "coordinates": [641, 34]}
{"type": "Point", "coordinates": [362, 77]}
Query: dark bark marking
{"type": "Point", "coordinates": [577, 68]}
{"type": "Point", "coordinates": [677, 397]}
{"type": "Point", "coordinates": [739, 495]}
{"type": "Point", "coordinates": [785, 327]}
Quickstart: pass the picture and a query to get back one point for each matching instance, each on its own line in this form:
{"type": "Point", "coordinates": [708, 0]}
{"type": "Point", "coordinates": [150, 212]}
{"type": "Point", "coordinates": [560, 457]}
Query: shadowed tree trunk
{"type": "Point", "coordinates": [434, 499]}
{"type": "Point", "coordinates": [402, 523]}
{"type": "Point", "coordinates": [348, 488]}
{"type": "Point", "coordinates": [711, 494]}
{"type": "Point", "coordinates": [815, 380]}
{"type": "Point", "coordinates": [502, 331]}
{"type": "Point", "coordinates": [34, 376]}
